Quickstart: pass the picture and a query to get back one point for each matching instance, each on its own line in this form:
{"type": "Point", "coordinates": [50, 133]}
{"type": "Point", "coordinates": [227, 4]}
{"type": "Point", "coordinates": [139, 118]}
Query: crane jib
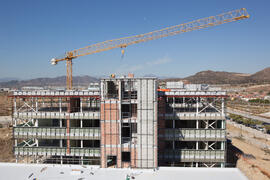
{"type": "Point", "coordinates": [227, 17]}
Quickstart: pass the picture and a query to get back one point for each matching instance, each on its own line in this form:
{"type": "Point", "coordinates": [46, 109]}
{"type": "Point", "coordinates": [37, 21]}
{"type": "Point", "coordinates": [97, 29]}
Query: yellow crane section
{"type": "Point", "coordinates": [230, 16]}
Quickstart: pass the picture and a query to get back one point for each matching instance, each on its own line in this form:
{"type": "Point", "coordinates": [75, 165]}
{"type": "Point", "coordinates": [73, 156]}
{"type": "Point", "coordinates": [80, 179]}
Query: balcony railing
{"type": "Point", "coordinates": [57, 115]}
{"type": "Point", "coordinates": [194, 134]}
{"type": "Point", "coordinates": [194, 116]}
{"type": "Point", "coordinates": [187, 155]}
{"type": "Point", "coordinates": [57, 151]}
{"type": "Point", "coordinates": [56, 133]}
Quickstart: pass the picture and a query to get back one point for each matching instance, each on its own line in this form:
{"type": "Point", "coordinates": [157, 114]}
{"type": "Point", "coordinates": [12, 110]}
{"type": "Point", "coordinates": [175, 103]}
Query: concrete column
{"type": "Point", "coordinates": [81, 143]}
{"type": "Point", "coordinates": [81, 123]}
{"type": "Point", "coordinates": [61, 123]}
{"type": "Point", "coordinates": [61, 159]}
{"type": "Point", "coordinates": [61, 143]}
{"type": "Point", "coordinates": [36, 122]}
{"type": "Point", "coordinates": [222, 124]}
{"type": "Point", "coordinates": [197, 145]}
{"type": "Point", "coordinates": [197, 124]}
{"type": "Point", "coordinates": [222, 145]}
{"type": "Point", "coordinates": [36, 104]}
{"type": "Point", "coordinates": [37, 142]}
{"type": "Point", "coordinates": [222, 106]}
{"type": "Point", "coordinates": [16, 142]}
{"type": "Point", "coordinates": [197, 105]}
{"type": "Point", "coordinates": [197, 164]}
{"type": "Point", "coordinates": [206, 145]}
{"type": "Point", "coordinates": [60, 105]}
{"type": "Point", "coordinates": [15, 105]}
{"type": "Point", "coordinates": [81, 105]}
{"type": "Point", "coordinates": [222, 165]}
{"type": "Point", "coordinates": [15, 111]}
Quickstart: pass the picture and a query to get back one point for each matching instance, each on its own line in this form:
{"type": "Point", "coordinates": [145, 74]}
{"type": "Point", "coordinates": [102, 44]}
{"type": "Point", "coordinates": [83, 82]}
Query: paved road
{"type": "Point", "coordinates": [247, 115]}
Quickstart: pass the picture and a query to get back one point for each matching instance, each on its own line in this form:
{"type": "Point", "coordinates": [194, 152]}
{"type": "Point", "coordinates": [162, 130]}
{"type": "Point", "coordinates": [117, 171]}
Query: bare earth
{"type": "Point", "coordinates": [6, 143]}
{"type": "Point", "coordinates": [254, 169]}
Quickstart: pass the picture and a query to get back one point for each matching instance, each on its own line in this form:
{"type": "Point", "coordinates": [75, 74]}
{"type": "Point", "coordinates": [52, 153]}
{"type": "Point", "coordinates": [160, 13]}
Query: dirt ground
{"type": "Point", "coordinates": [6, 143]}
{"type": "Point", "coordinates": [253, 161]}
{"type": "Point", "coordinates": [5, 104]}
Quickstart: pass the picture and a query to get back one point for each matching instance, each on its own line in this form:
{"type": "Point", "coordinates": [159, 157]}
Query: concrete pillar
{"type": "Point", "coordinates": [61, 142]}
{"type": "Point", "coordinates": [36, 122]}
{"type": "Point", "coordinates": [61, 159]}
{"type": "Point", "coordinates": [197, 145]}
{"type": "Point", "coordinates": [206, 145]}
{"type": "Point", "coordinates": [223, 124]}
{"type": "Point", "coordinates": [81, 109]}
{"type": "Point", "coordinates": [197, 124]}
{"type": "Point", "coordinates": [197, 105]}
{"type": "Point", "coordinates": [36, 104]}
{"type": "Point", "coordinates": [16, 142]}
{"type": "Point", "coordinates": [61, 122]}
{"type": "Point", "coordinates": [15, 105]}
{"type": "Point", "coordinates": [60, 105]}
{"type": "Point", "coordinates": [81, 123]}
{"type": "Point", "coordinates": [81, 143]}
{"type": "Point", "coordinates": [222, 145]}
{"type": "Point", "coordinates": [222, 165]}
{"type": "Point", "coordinates": [36, 142]}
{"type": "Point", "coordinates": [222, 106]}
{"type": "Point", "coordinates": [197, 164]}
{"type": "Point", "coordinates": [15, 111]}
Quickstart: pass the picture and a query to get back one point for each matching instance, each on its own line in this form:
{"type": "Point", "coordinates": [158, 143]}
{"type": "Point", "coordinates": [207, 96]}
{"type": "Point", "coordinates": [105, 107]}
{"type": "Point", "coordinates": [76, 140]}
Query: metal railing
{"type": "Point", "coordinates": [57, 151]}
{"type": "Point", "coordinates": [188, 155]}
{"type": "Point", "coordinates": [57, 115]}
{"type": "Point", "coordinates": [56, 133]}
{"type": "Point", "coordinates": [194, 134]}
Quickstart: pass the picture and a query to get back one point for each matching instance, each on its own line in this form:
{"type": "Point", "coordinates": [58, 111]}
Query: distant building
{"type": "Point", "coordinates": [5, 89]}
{"type": "Point", "coordinates": [26, 88]}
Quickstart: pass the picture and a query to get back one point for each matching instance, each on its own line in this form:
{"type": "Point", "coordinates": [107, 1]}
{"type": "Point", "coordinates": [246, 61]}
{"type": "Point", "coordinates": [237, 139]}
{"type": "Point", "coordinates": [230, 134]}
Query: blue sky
{"type": "Point", "coordinates": [34, 31]}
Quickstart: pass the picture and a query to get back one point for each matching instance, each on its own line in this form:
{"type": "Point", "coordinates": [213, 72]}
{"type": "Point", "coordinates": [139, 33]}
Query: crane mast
{"type": "Point", "coordinates": [230, 16]}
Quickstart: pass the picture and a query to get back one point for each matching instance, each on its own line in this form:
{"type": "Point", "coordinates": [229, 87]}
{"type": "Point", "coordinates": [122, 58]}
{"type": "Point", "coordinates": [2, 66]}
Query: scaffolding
{"type": "Point", "coordinates": [57, 126]}
{"type": "Point", "coordinates": [192, 129]}
{"type": "Point", "coordinates": [126, 123]}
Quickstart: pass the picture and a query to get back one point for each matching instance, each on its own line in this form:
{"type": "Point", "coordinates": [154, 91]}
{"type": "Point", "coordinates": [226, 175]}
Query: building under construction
{"type": "Point", "coordinates": [123, 122]}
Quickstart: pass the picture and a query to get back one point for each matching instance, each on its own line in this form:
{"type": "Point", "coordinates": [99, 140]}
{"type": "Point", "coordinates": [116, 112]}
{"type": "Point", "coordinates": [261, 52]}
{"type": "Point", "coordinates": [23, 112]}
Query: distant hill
{"type": "Point", "coordinates": [222, 77]}
{"type": "Point", "coordinates": [261, 76]}
{"type": "Point", "coordinates": [8, 79]}
{"type": "Point", "coordinates": [203, 77]}
{"type": "Point", "coordinates": [216, 77]}
{"type": "Point", "coordinates": [57, 81]}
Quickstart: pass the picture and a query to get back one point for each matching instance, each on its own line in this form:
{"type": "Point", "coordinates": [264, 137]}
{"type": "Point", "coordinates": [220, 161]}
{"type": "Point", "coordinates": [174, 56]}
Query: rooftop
{"type": "Point", "coordinates": [48, 172]}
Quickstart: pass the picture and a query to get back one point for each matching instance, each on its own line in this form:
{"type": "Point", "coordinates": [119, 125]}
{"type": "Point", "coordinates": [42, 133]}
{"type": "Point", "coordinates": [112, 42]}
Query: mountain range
{"type": "Point", "coordinates": [203, 77]}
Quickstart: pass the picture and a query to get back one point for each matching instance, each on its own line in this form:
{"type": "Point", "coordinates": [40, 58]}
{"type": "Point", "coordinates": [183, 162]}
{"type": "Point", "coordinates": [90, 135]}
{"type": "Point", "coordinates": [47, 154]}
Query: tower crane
{"type": "Point", "coordinates": [230, 16]}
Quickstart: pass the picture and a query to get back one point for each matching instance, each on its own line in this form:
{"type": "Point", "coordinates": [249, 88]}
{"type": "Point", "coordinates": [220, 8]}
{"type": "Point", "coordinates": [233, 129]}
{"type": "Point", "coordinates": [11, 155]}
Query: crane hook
{"type": "Point", "coordinates": [123, 51]}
